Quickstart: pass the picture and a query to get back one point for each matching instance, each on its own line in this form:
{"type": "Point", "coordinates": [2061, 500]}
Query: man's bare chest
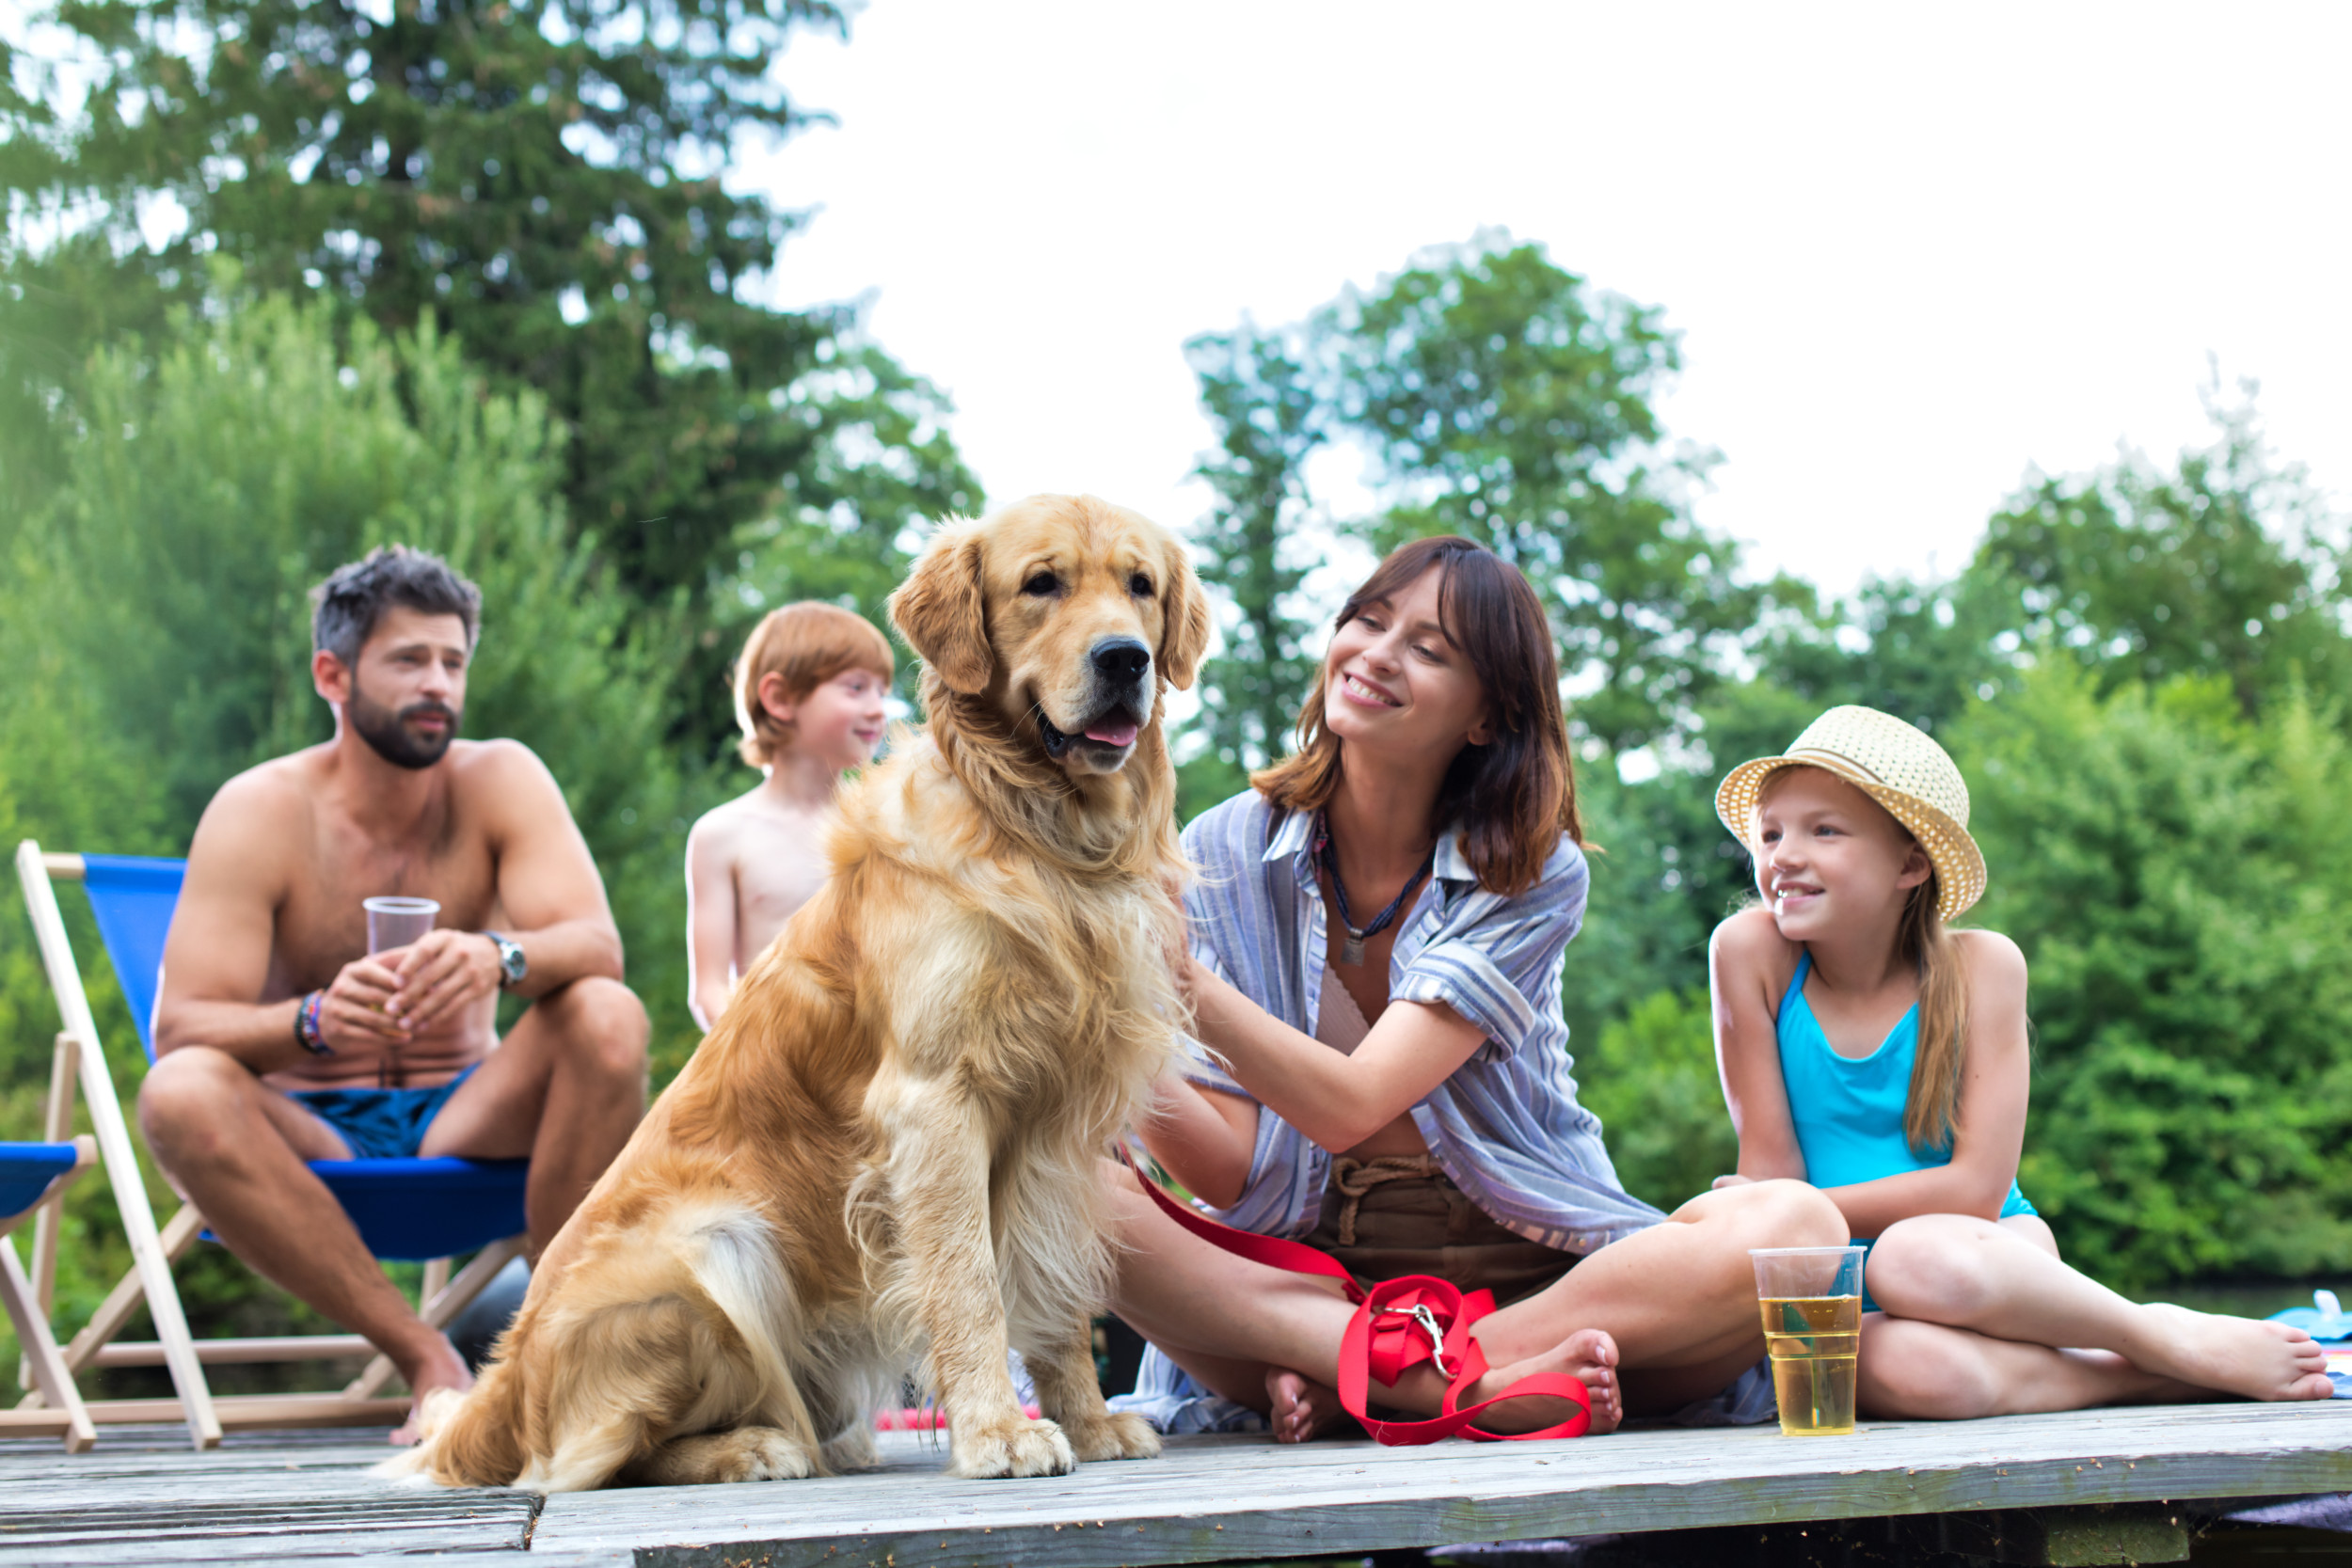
{"type": "Point", "coordinates": [321, 926]}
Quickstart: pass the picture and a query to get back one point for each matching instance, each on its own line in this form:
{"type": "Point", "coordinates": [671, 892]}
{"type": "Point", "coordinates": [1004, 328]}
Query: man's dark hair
{"type": "Point", "coordinates": [345, 607]}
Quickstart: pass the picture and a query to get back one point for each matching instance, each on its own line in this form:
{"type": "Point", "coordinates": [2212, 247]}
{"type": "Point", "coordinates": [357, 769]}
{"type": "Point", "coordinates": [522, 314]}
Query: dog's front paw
{"type": "Point", "coordinates": [762, 1453]}
{"type": "Point", "coordinates": [1120, 1435]}
{"type": "Point", "coordinates": [1021, 1447]}
{"type": "Point", "coordinates": [716, 1458]}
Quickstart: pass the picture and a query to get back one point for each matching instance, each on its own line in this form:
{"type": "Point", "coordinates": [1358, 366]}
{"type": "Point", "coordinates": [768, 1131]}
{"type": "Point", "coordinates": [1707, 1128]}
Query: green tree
{"type": "Point", "coordinates": [1508, 401]}
{"type": "Point", "coordinates": [1650, 1077]}
{"type": "Point", "coordinates": [1258, 391]}
{"type": "Point", "coordinates": [845, 524]}
{"type": "Point", "coordinates": [538, 177]}
{"type": "Point", "coordinates": [2170, 868]}
{"type": "Point", "coordinates": [2228, 565]}
{"type": "Point", "coordinates": [1919, 650]}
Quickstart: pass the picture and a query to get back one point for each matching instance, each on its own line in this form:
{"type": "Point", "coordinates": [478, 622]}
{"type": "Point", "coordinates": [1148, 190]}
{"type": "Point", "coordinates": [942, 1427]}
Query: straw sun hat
{"type": "Point", "coordinates": [1895, 764]}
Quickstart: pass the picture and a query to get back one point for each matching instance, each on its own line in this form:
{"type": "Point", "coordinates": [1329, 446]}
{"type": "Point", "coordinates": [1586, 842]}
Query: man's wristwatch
{"type": "Point", "coordinates": [513, 966]}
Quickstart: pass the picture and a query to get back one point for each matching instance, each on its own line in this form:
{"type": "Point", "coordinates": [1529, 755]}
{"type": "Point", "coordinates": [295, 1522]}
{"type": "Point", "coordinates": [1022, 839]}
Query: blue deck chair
{"type": "Point", "coordinates": [34, 1176]}
{"type": "Point", "coordinates": [418, 1209]}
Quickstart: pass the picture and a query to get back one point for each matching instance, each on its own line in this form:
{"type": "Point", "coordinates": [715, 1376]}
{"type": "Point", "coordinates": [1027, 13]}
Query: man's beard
{"type": "Point", "coordinates": [388, 734]}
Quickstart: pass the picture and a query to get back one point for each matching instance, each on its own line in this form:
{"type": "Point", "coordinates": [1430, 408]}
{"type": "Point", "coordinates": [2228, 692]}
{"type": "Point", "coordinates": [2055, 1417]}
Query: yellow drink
{"type": "Point", "coordinates": [1814, 1343]}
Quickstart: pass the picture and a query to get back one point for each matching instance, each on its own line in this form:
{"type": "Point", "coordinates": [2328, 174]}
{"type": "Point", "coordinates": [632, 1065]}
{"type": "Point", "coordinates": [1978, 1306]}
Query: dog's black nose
{"type": "Point", "coordinates": [1122, 657]}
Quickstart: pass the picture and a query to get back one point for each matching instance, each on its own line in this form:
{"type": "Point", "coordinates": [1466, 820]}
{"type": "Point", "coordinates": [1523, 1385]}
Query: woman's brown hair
{"type": "Point", "coordinates": [1513, 797]}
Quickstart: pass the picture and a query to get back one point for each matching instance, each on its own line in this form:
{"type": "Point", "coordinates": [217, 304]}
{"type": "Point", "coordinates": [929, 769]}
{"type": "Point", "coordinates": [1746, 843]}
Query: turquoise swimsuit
{"type": "Point", "coordinates": [1848, 1111]}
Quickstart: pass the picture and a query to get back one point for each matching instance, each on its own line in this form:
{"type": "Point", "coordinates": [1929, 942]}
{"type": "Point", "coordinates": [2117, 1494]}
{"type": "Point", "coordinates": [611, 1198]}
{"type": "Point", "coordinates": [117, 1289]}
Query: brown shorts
{"type": "Point", "coordinates": [1410, 1218]}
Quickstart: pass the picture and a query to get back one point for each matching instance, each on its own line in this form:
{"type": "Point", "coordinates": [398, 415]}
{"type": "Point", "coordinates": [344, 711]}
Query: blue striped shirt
{"type": "Point", "coordinates": [1505, 1126]}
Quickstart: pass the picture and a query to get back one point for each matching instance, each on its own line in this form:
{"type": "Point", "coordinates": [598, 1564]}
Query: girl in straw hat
{"type": "Point", "coordinates": [1871, 1050]}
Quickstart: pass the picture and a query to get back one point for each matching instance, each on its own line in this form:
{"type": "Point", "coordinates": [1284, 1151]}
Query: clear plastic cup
{"type": "Point", "coordinates": [1811, 1299]}
{"type": "Point", "coordinates": [397, 922]}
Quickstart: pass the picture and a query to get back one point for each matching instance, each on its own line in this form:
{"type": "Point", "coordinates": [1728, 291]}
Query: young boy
{"type": "Point", "coordinates": [809, 691]}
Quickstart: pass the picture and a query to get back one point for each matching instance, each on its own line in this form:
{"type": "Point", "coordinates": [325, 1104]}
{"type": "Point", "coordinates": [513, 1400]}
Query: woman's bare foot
{"type": "Point", "coordinates": [2245, 1356]}
{"type": "Point", "coordinates": [1303, 1409]}
{"type": "Point", "coordinates": [1589, 1356]}
{"type": "Point", "coordinates": [440, 1367]}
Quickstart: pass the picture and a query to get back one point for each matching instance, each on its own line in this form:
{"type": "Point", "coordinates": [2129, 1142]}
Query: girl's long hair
{"type": "Point", "coordinates": [1932, 1110]}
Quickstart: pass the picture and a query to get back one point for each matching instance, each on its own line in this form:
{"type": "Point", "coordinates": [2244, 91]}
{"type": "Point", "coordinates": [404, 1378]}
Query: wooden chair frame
{"type": "Point", "coordinates": [154, 1250]}
{"type": "Point", "coordinates": [44, 1366]}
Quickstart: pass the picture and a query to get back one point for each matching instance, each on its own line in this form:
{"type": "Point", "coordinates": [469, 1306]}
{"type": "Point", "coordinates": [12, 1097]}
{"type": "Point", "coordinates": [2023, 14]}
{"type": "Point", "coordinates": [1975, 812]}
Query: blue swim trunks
{"type": "Point", "coordinates": [380, 1124]}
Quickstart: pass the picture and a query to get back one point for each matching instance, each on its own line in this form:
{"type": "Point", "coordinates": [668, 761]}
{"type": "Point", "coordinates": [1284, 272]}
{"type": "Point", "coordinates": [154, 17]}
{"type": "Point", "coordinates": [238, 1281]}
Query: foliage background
{"type": "Point", "coordinates": [468, 280]}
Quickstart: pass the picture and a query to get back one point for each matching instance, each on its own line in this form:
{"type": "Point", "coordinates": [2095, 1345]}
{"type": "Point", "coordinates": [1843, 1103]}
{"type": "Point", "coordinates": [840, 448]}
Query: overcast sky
{"type": "Point", "coordinates": [1910, 252]}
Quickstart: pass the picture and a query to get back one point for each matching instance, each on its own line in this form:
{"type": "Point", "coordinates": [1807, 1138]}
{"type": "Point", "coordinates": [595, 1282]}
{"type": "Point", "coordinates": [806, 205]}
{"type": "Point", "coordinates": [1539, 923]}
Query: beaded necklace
{"type": "Point", "coordinates": [1352, 947]}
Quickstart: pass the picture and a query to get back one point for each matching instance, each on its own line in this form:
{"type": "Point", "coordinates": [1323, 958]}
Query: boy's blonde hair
{"type": "Point", "coordinates": [807, 643]}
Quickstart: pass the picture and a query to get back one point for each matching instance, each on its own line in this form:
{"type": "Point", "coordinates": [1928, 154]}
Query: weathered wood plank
{"type": "Point", "coordinates": [307, 1498]}
{"type": "Point", "coordinates": [1220, 1498]}
{"type": "Point", "coordinates": [465, 1520]}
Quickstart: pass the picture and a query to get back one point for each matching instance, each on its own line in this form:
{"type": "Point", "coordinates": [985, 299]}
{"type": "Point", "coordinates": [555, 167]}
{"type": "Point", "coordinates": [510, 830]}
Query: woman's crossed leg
{"type": "Point", "coordinates": [1651, 1323]}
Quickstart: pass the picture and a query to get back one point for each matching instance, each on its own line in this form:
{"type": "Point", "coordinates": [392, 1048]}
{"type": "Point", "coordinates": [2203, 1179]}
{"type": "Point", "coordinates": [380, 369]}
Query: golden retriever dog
{"type": "Point", "coordinates": [885, 1159]}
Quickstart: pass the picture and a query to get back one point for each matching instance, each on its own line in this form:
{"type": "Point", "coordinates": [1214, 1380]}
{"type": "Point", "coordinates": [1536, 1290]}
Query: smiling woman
{"type": "Point", "coordinates": [1376, 935]}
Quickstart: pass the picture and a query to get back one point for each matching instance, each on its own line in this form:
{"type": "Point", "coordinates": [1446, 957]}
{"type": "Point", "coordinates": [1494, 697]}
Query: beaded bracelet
{"type": "Point", "coordinates": [308, 1033]}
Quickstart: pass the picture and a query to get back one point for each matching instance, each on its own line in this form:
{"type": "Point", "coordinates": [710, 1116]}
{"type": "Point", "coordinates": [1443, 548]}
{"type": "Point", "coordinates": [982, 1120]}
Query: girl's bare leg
{"type": "Point", "coordinates": [2004, 1281]}
{"type": "Point", "coordinates": [1925, 1372]}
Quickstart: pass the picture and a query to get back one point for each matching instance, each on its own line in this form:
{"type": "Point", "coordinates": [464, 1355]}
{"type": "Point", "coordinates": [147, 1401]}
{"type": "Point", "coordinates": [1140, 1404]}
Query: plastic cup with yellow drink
{"type": "Point", "coordinates": [1811, 1298]}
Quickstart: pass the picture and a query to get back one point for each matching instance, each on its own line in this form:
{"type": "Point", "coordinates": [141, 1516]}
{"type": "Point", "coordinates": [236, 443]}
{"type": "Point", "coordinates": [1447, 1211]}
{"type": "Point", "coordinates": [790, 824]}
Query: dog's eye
{"type": "Point", "coordinates": [1040, 585]}
{"type": "Point", "coordinates": [1140, 586]}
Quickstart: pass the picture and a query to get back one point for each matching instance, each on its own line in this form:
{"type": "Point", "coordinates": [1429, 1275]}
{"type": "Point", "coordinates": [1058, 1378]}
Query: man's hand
{"type": "Point", "coordinates": [353, 1016]}
{"type": "Point", "coordinates": [438, 975]}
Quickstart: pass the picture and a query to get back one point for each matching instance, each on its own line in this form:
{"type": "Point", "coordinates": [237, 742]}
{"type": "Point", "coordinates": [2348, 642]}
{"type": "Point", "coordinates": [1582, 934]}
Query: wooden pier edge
{"type": "Point", "coordinates": [1349, 1530]}
{"type": "Point", "coordinates": [2080, 1476]}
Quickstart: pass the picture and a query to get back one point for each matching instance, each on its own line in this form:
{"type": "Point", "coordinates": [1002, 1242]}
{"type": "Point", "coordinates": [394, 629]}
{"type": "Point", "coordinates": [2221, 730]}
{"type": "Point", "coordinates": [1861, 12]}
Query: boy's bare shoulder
{"type": "Point", "coordinates": [749, 815]}
{"type": "Point", "coordinates": [717, 830]}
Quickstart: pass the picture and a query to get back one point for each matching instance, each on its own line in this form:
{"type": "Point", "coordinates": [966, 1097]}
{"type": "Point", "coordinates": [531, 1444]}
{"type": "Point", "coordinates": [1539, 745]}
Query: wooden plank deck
{"type": "Point", "coordinates": [307, 1498]}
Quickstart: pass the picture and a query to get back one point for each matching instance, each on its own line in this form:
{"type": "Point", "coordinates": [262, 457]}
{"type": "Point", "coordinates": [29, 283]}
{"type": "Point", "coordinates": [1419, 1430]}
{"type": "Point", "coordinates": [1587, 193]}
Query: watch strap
{"type": "Point", "coordinates": [512, 965]}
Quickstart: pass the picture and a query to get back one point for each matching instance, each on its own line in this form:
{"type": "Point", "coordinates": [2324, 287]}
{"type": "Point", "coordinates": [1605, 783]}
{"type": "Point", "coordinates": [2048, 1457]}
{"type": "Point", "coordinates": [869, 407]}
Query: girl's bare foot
{"type": "Point", "coordinates": [441, 1368]}
{"type": "Point", "coordinates": [1303, 1409]}
{"type": "Point", "coordinates": [2245, 1356]}
{"type": "Point", "coordinates": [1589, 1356]}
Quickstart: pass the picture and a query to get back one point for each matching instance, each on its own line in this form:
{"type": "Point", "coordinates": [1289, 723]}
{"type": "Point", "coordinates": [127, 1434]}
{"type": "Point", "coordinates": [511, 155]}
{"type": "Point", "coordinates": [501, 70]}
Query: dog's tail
{"type": "Point", "coordinates": [473, 1438]}
{"type": "Point", "coordinates": [687, 1339]}
{"type": "Point", "coordinates": [731, 1253]}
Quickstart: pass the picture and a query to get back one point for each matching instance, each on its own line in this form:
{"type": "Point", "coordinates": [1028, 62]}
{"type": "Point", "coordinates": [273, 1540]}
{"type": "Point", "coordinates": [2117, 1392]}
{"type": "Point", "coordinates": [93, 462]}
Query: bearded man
{"type": "Point", "coordinates": [279, 1040]}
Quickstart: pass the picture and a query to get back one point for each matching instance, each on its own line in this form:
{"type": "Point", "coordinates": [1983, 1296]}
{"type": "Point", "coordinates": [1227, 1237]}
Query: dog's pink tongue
{"type": "Point", "coordinates": [1113, 735]}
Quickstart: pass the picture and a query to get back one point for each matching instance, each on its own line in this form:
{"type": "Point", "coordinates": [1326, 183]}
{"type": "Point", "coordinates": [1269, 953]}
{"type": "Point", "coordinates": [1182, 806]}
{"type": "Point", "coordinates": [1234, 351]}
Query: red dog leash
{"type": "Point", "coordinates": [1397, 1327]}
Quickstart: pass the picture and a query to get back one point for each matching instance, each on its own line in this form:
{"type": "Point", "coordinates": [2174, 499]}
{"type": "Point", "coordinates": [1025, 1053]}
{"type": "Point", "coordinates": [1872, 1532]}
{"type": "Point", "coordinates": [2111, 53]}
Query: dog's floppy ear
{"type": "Point", "coordinates": [939, 612]}
{"type": "Point", "coordinates": [1184, 622]}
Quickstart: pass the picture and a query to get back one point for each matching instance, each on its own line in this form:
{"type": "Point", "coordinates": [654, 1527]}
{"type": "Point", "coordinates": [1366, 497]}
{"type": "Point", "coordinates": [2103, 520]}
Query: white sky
{"type": "Point", "coordinates": [1910, 253]}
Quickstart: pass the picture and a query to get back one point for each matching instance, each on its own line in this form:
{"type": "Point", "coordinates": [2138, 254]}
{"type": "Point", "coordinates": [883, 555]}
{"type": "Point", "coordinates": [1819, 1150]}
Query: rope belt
{"type": "Point", "coordinates": [1356, 1178]}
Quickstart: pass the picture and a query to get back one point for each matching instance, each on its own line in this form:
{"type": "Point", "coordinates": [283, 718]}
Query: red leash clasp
{"type": "Point", "coordinates": [1419, 1313]}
